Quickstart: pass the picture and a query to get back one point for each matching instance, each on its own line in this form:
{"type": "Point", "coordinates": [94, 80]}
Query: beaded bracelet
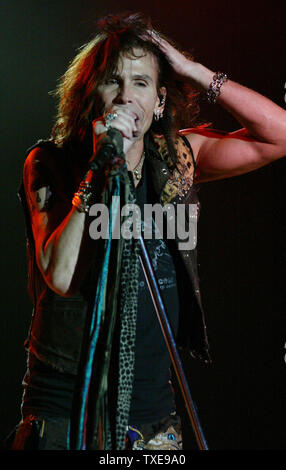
{"type": "Point", "coordinates": [82, 197]}
{"type": "Point", "coordinates": [214, 89]}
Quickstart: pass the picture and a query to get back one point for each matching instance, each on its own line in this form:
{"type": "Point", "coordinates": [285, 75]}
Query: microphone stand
{"type": "Point", "coordinates": [170, 342]}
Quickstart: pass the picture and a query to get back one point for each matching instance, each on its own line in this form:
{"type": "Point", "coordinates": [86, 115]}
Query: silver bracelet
{"type": "Point", "coordinates": [214, 89]}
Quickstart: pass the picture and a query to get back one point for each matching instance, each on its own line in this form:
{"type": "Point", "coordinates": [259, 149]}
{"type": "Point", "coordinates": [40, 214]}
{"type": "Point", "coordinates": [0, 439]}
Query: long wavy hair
{"type": "Point", "coordinates": [78, 100]}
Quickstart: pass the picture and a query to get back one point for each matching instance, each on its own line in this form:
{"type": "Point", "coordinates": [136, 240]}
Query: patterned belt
{"type": "Point", "coordinates": [165, 435]}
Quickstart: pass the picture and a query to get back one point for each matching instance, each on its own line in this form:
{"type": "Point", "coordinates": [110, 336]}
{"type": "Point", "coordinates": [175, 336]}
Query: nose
{"type": "Point", "coordinates": [124, 95]}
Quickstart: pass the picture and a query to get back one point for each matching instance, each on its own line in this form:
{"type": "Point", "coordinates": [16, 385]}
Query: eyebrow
{"type": "Point", "coordinates": [137, 76]}
{"type": "Point", "coordinates": [143, 77]}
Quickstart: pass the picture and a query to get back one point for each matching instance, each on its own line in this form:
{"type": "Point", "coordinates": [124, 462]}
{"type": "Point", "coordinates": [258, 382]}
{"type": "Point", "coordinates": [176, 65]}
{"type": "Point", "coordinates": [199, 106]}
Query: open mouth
{"type": "Point", "coordinates": [136, 117]}
{"type": "Point", "coordinates": [137, 124]}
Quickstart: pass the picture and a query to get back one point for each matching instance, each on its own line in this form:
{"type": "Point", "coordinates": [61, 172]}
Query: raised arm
{"type": "Point", "coordinates": [261, 140]}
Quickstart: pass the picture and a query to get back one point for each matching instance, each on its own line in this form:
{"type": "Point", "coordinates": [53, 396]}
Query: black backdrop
{"type": "Point", "coordinates": [240, 397]}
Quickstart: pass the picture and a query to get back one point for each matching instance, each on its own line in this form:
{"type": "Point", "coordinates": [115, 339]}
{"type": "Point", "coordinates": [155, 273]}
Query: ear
{"type": "Point", "coordinates": [160, 102]}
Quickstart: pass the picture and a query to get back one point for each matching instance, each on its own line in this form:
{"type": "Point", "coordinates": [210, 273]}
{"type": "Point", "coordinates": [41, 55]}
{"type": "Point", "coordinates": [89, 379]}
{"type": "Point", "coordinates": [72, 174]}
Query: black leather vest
{"type": "Point", "coordinates": [57, 325]}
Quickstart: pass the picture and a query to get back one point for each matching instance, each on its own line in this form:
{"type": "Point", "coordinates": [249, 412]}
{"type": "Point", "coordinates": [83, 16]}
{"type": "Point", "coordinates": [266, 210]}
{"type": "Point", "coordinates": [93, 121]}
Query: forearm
{"type": "Point", "coordinates": [265, 120]}
{"type": "Point", "coordinates": [66, 255]}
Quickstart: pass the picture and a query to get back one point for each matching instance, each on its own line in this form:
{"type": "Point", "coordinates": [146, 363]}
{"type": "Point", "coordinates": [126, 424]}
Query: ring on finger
{"type": "Point", "coordinates": [109, 117]}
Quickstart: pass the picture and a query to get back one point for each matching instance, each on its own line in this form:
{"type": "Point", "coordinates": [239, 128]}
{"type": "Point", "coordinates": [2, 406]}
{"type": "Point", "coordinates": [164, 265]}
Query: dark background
{"type": "Point", "coordinates": [241, 396]}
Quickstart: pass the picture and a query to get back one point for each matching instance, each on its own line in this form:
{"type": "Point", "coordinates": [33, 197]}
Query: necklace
{"type": "Point", "coordinates": [137, 171]}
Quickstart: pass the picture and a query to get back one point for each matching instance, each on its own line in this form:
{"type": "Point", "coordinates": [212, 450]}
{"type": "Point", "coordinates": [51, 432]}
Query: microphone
{"type": "Point", "coordinates": [108, 151]}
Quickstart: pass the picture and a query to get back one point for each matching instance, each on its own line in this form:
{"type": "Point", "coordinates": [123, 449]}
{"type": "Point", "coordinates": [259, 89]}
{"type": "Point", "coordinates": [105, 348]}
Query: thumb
{"type": "Point", "coordinates": [98, 126]}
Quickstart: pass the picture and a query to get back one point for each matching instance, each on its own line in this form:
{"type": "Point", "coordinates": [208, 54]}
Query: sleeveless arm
{"type": "Point", "coordinates": [62, 244]}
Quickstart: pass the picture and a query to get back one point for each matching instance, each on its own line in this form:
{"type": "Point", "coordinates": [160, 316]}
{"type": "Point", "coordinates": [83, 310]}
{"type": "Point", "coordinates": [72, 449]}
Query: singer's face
{"type": "Point", "coordinates": [133, 89]}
